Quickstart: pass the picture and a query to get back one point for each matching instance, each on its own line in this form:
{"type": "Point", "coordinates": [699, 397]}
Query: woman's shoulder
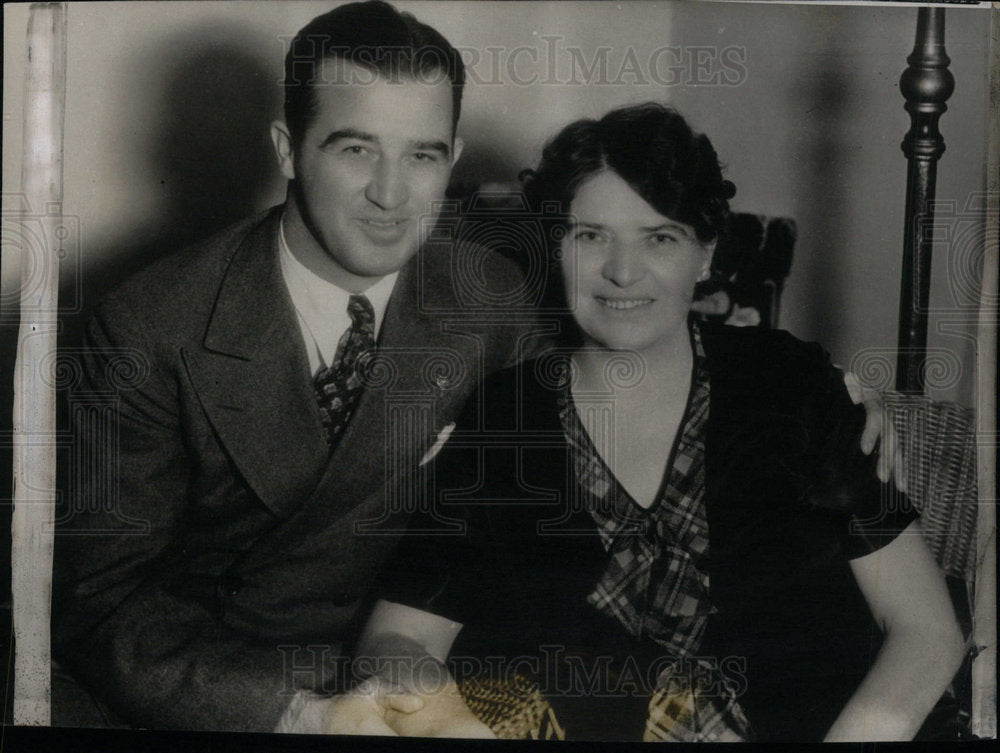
{"type": "Point", "coordinates": [753, 353]}
{"type": "Point", "coordinates": [724, 340]}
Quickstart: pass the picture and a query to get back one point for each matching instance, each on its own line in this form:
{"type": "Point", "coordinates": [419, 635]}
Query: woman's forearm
{"type": "Point", "coordinates": [923, 645]}
{"type": "Point", "coordinates": [909, 675]}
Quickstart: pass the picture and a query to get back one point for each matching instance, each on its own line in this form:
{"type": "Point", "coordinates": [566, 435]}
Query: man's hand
{"type": "Point", "coordinates": [437, 707]}
{"type": "Point", "coordinates": [443, 714]}
{"type": "Point", "coordinates": [404, 648]}
{"type": "Point", "coordinates": [429, 706]}
{"type": "Point", "coordinates": [891, 463]}
{"type": "Point", "coordinates": [362, 711]}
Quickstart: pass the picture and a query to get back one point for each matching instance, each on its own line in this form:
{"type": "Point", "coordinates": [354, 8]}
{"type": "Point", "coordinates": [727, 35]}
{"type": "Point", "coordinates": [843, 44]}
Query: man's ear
{"type": "Point", "coordinates": [282, 140]}
{"type": "Point", "coordinates": [456, 149]}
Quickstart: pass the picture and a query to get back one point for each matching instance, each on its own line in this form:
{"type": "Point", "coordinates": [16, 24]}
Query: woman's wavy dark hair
{"type": "Point", "coordinates": [654, 150]}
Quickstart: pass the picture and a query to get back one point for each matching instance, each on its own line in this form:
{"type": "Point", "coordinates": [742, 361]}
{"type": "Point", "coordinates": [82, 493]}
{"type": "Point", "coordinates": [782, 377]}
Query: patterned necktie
{"type": "Point", "coordinates": [338, 386]}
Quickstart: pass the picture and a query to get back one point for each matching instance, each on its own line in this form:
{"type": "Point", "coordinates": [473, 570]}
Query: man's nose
{"type": "Point", "coordinates": [623, 265]}
{"type": "Point", "coordinates": [387, 187]}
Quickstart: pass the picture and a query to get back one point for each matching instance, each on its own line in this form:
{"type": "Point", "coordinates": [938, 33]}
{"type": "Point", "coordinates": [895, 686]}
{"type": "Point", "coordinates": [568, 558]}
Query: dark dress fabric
{"type": "Point", "coordinates": [505, 548]}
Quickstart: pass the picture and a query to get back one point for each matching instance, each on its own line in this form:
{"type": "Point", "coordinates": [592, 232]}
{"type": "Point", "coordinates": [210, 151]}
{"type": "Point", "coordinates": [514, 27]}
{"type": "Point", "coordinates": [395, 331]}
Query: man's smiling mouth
{"type": "Point", "coordinates": [381, 224]}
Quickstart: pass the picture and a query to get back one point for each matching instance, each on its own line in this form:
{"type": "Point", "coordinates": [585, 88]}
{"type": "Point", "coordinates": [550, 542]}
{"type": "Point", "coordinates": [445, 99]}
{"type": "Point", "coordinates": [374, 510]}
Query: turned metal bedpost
{"type": "Point", "coordinates": [926, 83]}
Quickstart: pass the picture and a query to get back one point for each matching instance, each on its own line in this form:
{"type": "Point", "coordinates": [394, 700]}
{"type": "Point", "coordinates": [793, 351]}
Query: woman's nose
{"type": "Point", "coordinates": [623, 265]}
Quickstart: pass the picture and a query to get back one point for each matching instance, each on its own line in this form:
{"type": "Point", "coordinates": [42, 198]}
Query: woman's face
{"type": "Point", "coordinates": [629, 271]}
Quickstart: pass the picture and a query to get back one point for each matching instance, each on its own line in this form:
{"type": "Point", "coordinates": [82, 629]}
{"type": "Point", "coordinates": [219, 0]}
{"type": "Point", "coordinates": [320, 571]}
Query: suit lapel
{"type": "Point", "coordinates": [252, 376]}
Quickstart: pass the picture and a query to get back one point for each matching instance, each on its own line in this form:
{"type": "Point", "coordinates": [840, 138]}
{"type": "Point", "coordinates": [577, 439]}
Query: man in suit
{"type": "Point", "coordinates": [289, 371]}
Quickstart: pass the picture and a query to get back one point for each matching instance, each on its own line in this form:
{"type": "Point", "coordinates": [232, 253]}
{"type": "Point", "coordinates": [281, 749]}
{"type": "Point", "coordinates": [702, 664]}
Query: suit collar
{"type": "Point", "coordinates": [322, 307]}
{"type": "Point", "coordinates": [252, 375]}
{"type": "Point", "coordinates": [253, 301]}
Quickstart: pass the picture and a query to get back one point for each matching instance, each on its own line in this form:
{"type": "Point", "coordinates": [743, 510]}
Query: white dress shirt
{"type": "Point", "coordinates": [321, 307]}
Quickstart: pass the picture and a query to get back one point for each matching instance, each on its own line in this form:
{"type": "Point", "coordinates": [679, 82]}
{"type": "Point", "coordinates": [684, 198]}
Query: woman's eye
{"type": "Point", "coordinates": [662, 238]}
{"type": "Point", "coordinates": [424, 157]}
{"type": "Point", "coordinates": [587, 235]}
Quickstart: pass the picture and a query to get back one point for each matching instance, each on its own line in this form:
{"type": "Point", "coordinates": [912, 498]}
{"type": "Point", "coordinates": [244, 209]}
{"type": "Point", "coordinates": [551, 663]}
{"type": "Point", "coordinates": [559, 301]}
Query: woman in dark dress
{"type": "Point", "coordinates": [669, 527]}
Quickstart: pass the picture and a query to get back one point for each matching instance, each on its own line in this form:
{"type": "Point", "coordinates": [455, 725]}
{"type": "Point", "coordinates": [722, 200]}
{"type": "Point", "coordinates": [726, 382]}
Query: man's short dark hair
{"type": "Point", "coordinates": [373, 35]}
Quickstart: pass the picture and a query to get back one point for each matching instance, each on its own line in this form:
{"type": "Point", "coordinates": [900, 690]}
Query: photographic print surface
{"type": "Point", "coordinates": [238, 455]}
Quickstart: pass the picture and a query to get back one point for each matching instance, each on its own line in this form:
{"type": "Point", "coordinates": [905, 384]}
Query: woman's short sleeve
{"type": "Point", "coordinates": [872, 513]}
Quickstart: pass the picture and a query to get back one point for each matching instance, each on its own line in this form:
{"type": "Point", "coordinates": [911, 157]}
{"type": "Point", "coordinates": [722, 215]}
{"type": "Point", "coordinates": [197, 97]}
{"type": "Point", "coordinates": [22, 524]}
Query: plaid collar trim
{"type": "Point", "coordinates": [651, 584]}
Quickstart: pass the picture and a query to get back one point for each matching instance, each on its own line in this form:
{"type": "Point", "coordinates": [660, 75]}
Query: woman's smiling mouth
{"type": "Point", "coordinates": [622, 304]}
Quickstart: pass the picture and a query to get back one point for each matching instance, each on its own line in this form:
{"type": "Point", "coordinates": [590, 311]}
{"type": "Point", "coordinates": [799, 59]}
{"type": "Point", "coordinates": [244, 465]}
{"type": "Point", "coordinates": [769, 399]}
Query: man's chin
{"type": "Point", "coordinates": [373, 252]}
{"type": "Point", "coordinates": [385, 266]}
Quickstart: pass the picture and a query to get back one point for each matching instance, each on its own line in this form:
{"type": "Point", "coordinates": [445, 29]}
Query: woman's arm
{"type": "Point", "coordinates": [923, 646]}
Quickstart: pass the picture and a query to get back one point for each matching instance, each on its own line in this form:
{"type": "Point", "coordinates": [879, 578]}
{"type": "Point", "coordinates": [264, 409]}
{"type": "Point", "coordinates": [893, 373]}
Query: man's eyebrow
{"type": "Point", "coordinates": [351, 133]}
{"type": "Point", "coordinates": [348, 133]}
{"type": "Point", "coordinates": [589, 225]}
{"type": "Point", "coordinates": [432, 146]}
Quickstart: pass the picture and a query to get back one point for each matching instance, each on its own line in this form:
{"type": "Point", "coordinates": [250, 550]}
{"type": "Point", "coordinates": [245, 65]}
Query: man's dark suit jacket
{"type": "Point", "coordinates": [210, 538]}
{"type": "Point", "coordinates": [789, 498]}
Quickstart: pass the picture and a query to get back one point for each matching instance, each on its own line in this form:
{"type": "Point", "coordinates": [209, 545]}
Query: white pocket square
{"type": "Point", "coordinates": [442, 437]}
